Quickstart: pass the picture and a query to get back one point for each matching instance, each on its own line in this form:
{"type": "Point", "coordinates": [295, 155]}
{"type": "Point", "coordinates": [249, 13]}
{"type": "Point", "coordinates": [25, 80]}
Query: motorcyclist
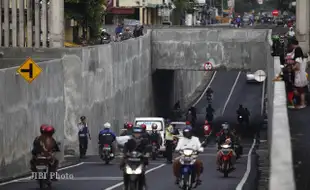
{"type": "Point", "coordinates": [155, 136]}
{"type": "Point", "coordinates": [105, 35]}
{"type": "Point", "coordinates": [84, 134]}
{"type": "Point", "coordinates": [45, 145]}
{"type": "Point", "coordinates": [35, 148]}
{"type": "Point", "coordinates": [238, 21]}
{"type": "Point", "coordinates": [209, 113]}
{"type": "Point", "coordinates": [207, 128]}
{"type": "Point", "coordinates": [240, 111]}
{"type": "Point", "coordinates": [127, 34]}
{"type": "Point", "coordinates": [291, 32]}
{"type": "Point", "coordinates": [136, 143]}
{"type": "Point", "coordinates": [227, 141]}
{"type": "Point", "coordinates": [107, 136]}
{"type": "Point", "coordinates": [145, 133]}
{"type": "Point", "coordinates": [247, 116]}
{"type": "Point", "coordinates": [192, 142]}
{"type": "Point", "coordinates": [127, 130]}
{"type": "Point", "coordinates": [209, 93]}
{"type": "Point", "coordinates": [226, 133]}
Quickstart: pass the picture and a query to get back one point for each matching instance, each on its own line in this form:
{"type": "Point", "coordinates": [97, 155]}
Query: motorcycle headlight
{"type": "Point", "coordinates": [130, 171]}
{"type": "Point", "coordinates": [187, 152]}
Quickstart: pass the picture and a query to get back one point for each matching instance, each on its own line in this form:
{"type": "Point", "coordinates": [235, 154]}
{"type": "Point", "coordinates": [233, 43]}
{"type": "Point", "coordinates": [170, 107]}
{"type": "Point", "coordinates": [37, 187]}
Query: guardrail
{"type": "Point", "coordinates": [281, 162]}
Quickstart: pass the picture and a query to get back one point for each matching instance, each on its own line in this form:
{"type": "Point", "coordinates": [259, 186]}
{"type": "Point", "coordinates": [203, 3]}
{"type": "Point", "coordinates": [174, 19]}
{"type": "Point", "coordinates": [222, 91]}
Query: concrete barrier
{"type": "Point", "coordinates": [281, 163]}
{"type": "Point", "coordinates": [105, 83]}
{"type": "Point", "coordinates": [227, 48]}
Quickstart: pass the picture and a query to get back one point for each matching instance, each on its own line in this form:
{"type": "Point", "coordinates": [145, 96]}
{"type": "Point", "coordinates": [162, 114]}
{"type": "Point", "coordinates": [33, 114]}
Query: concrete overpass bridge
{"type": "Point", "coordinates": [224, 48]}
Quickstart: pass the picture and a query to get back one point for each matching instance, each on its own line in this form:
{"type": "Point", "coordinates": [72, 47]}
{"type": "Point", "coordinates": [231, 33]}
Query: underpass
{"type": "Point", "coordinates": [230, 89]}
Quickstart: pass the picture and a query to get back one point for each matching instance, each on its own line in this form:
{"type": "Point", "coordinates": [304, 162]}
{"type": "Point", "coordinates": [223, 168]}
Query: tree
{"type": "Point", "coordinates": [182, 7]}
{"type": "Point", "coordinates": [88, 13]}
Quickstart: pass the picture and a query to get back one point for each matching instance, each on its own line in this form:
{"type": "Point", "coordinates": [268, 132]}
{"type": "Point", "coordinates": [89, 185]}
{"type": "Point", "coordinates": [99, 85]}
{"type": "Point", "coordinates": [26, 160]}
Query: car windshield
{"type": "Point", "coordinates": [179, 127]}
{"type": "Point", "coordinates": [149, 125]}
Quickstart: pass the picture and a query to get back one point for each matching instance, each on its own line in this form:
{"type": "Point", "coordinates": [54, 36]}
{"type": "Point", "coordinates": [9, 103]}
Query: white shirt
{"type": "Point", "coordinates": [185, 143]}
{"type": "Point", "coordinates": [291, 33]}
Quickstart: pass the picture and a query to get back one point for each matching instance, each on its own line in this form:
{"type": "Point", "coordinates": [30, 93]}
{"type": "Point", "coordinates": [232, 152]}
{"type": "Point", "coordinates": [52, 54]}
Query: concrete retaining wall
{"type": "Point", "coordinates": [228, 48]}
{"type": "Point", "coordinates": [24, 108]}
{"type": "Point", "coordinates": [281, 161]}
{"type": "Point", "coordinates": [105, 83]}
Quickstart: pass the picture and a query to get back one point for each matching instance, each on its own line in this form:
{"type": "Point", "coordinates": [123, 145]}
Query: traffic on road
{"type": "Point", "coordinates": [230, 89]}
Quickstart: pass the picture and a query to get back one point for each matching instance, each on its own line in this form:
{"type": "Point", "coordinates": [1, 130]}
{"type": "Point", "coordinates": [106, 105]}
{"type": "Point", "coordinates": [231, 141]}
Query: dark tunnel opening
{"type": "Point", "coordinates": [163, 92]}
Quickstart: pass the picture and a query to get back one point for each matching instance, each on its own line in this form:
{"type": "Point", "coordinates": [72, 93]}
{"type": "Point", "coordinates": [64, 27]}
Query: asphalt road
{"type": "Point", "coordinates": [230, 89]}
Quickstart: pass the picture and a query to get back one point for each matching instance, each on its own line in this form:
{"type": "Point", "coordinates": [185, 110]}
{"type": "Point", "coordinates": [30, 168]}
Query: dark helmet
{"type": "Point", "coordinates": [137, 130]}
{"type": "Point", "coordinates": [240, 106]}
{"type": "Point", "coordinates": [154, 126]}
{"type": "Point", "coordinates": [49, 130]}
{"type": "Point", "coordinates": [82, 118]}
{"type": "Point", "coordinates": [187, 132]}
{"type": "Point", "coordinates": [43, 127]}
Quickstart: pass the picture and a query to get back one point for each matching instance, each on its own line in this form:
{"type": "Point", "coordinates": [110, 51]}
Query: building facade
{"type": "Point", "coordinates": [31, 23]}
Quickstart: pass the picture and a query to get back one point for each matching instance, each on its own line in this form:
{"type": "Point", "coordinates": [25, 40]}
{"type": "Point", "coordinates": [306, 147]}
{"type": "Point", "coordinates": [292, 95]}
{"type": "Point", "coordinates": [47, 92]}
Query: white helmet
{"type": "Point", "coordinates": [104, 30]}
{"type": "Point", "coordinates": [107, 125]}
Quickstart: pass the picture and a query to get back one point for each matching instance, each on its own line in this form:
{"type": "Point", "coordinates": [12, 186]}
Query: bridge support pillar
{"type": "Point", "coordinates": [303, 23]}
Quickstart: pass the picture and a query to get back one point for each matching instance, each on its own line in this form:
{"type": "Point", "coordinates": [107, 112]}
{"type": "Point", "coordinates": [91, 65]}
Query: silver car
{"type": "Point", "coordinates": [250, 78]}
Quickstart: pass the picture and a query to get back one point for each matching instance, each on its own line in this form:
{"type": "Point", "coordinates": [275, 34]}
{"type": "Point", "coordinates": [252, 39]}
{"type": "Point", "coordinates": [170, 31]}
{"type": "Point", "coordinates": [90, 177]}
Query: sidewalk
{"type": "Point", "coordinates": [300, 131]}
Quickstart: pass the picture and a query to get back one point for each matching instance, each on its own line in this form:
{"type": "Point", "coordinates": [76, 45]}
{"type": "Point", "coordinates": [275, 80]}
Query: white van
{"type": "Point", "coordinates": [148, 121]}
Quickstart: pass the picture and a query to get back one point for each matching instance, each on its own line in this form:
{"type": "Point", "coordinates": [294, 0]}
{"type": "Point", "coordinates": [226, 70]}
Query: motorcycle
{"type": "Point", "coordinates": [134, 171]}
{"type": "Point", "coordinates": [175, 142]}
{"type": "Point", "coordinates": [207, 134]}
{"type": "Point", "coordinates": [154, 150]}
{"type": "Point", "coordinates": [106, 154]}
{"type": "Point", "coordinates": [187, 177]}
{"type": "Point", "coordinates": [43, 172]}
{"type": "Point", "coordinates": [209, 98]}
{"type": "Point", "coordinates": [105, 40]}
{"type": "Point", "coordinates": [225, 157]}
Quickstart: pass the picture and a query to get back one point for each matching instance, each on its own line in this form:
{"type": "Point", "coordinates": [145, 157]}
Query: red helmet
{"type": "Point", "coordinates": [206, 122]}
{"type": "Point", "coordinates": [129, 125]}
{"type": "Point", "coordinates": [43, 127]}
{"type": "Point", "coordinates": [143, 126]}
{"type": "Point", "coordinates": [49, 129]}
{"type": "Point", "coordinates": [187, 123]}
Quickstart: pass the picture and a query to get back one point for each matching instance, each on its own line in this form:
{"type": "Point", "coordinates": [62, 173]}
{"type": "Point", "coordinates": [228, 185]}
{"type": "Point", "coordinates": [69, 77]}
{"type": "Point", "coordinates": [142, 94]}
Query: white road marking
{"type": "Point", "coordinates": [202, 95]}
{"type": "Point", "coordinates": [263, 98]}
{"type": "Point", "coordinates": [230, 93]}
{"type": "Point", "coordinates": [27, 178]}
{"type": "Point", "coordinates": [121, 183]}
{"type": "Point", "coordinates": [248, 168]}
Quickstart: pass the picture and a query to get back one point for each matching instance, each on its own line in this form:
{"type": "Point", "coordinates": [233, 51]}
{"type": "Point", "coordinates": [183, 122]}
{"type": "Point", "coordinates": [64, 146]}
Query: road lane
{"type": "Point", "coordinates": [93, 174]}
{"type": "Point", "coordinates": [221, 85]}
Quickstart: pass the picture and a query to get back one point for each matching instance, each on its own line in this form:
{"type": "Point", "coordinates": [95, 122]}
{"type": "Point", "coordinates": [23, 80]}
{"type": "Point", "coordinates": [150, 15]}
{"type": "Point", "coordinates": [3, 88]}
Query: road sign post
{"type": "Point", "coordinates": [208, 66]}
{"type": "Point", "coordinates": [29, 70]}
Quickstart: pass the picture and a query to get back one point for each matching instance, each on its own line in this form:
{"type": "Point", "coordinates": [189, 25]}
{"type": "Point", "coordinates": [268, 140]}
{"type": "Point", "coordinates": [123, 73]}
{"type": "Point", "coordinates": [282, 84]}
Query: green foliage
{"type": "Point", "coordinates": [184, 5]}
{"type": "Point", "coordinates": [87, 12]}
